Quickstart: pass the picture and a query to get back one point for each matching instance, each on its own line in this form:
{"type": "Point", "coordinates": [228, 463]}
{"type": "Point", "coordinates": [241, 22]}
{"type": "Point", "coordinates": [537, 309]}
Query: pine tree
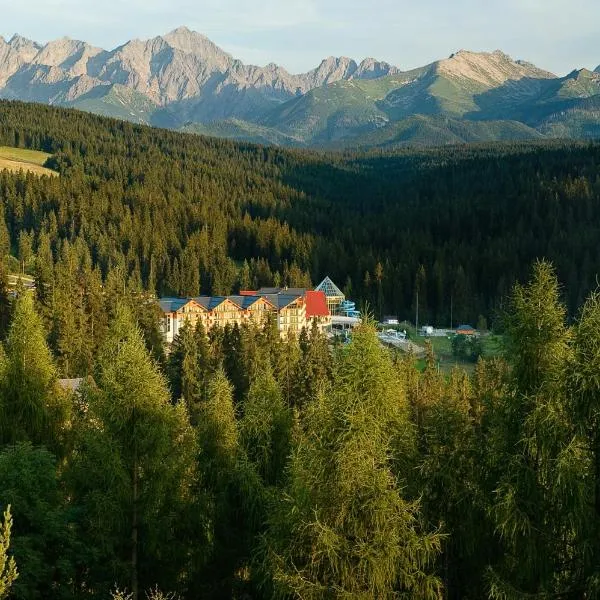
{"type": "Point", "coordinates": [204, 363]}
{"type": "Point", "coordinates": [450, 483]}
{"type": "Point", "coordinates": [31, 405]}
{"type": "Point", "coordinates": [583, 389]}
{"type": "Point", "coordinates": [314, 368]}
{"type": "Point", "coordinates": [234, 488]}
{"type": "Point", "coordinates": [5, 244]}
{"type": "Point", "coordinates": [44, 270]}
{"type": "Point", "coordinates": [44, 543]}
{"type": "Point", "coordinates": [8, 568]}
{"type": "Point", "coordinates": [25, 250]}
{"type": "Point", "coordinates": [5, 303]}
{"type": "Point", "coordinates": [266, 428]}
{"type": "Point", "coordinates": [245, 277]}
{"type": "Point", "coordinates": [131, 435]}
{"type": "Point", "coordinates": [536, 499]}
{"type": "Point", "coordinates": [287, 366]}
{"type": "Point", "coordinates": [342, 528]}
{"type": "Point", "coordinates": [182, 366]}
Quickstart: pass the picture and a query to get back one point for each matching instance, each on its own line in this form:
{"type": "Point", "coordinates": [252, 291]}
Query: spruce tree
{"type": "Point", "coordinates": [5, 303]}
{"type": "Point", "coordinates": [32, 408]}
{"type": "Point", "coordinates": [343, 528]}
{"type": "Point", "coordinates": [234, 489]}
{"type": "Point", "coordinates": [536, 499]}
{"type": "Point", "coordinates": [204, 363]}
{"type": "Point", "coordinates": [182, 366]}
{"type": "Point", "coordinates": [5, 242]}
{"type": "Point", "coordinates": [8, 568]}
{"type": "Point", "coordinates": [44, 543]}
{"type": "Point", "coordinates": [584, 392]}
{"type": "Point", "coordinates": [266, 428]}
{"type": "Point", "coordinates": [315, 367]}
{"type": "Point", "coordinates": [129, 434]}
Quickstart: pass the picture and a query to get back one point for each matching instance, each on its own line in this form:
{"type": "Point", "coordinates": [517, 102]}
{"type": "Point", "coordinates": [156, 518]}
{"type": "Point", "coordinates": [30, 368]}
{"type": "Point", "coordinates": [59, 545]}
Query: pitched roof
{"type": "Point", "coordinates": [282, 300]}
{"type": "Point", "coordinates": [245, 300]}
{"type": "Point", "coordinates": [329, 288]}
{"type": "Point", "coordinates": [169, 305]}
{"type": "Point", "coordinates": [266, 291]}
{"type": "Point", "coordinates": [294, 291]}
{"type": "Point", "coordinates": [211, 302]}
{"type": "Point", "coordinates": [316, 304]}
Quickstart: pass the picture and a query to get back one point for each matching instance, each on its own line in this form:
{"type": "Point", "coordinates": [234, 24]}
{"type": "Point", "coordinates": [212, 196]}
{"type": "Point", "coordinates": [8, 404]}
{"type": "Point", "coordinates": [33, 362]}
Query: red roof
{"type": "Point", "coordinates": [316, 304]}
{"type": "Point", "coordinates": [248, 293]}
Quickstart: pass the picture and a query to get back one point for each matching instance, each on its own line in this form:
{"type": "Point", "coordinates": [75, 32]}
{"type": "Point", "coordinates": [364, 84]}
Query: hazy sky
{"type": "Point", "coordinates": [558, 35]}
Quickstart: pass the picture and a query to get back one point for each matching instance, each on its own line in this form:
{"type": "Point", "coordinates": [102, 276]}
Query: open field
{"type": "Point", "coordinates": [442, 348]}
{"type": "Point", "coordinates": [17, 159]}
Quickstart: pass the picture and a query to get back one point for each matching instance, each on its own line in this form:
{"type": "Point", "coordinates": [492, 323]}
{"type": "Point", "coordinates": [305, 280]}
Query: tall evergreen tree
{"type": "Point", "coordinates": [583, 390]}
{"type": "Point", "coordinates": [44, 543]}
{"type": "Point", "coordinates": [5, 303]}
{"type": "Point", "coordinates": [314, 370]}
{"type": "Point", "coordinates": [31, 405]}
{"type": "Point", "coordinates": [266, 428]}
{"type": "Point", "coordinates": [343, 528]}
{"type": "Point", "coordinates": [536, 500]}
{"type": "Point", "coordinates": [129, 434]}
{"type": "Point", "coordinates": [234, 488]}
{"type": "Point", "coordinates": [8, 568]}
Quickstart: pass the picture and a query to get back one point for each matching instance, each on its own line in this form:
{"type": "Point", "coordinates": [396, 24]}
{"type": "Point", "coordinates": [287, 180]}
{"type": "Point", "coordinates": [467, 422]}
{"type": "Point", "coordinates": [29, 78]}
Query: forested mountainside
{"type": "Point", "coordinates": [181, 214]}
{"type": "Point", "coordinates": [182, 80]}
{"type": "Point", "coordinates": [247, 466]}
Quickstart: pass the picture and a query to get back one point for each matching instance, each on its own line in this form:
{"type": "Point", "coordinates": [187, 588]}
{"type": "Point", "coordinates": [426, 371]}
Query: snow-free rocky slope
{"type": "Point", "coordinates": [183, 80]}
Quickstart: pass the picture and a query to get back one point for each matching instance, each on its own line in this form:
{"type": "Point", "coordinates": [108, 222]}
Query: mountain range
{"type": "Point", "coordinates": [184, 81]}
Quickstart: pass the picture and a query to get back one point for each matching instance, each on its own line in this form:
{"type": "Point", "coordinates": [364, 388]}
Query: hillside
{"type": "Point", "coordinates": [170, 474]}
{"type": "Point", "coordinates": [28, 161]}
{"type": "Point", "coordinates": [182, 214]}
{"type": "Point", "coordinates": [182, 80]}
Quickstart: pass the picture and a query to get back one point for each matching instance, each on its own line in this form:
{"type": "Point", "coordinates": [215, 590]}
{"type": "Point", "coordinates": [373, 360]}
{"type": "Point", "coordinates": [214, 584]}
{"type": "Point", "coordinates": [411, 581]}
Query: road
{"type": "Point", "coordinates": [405, 345]}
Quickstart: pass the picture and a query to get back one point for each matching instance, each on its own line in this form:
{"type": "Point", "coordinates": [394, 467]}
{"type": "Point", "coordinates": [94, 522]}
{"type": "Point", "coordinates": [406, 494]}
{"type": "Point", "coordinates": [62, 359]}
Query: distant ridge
{"type": "Point", "coordinates": [183, 80]}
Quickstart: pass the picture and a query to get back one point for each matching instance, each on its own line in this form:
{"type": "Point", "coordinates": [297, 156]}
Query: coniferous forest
{"type": "Point", "coordinates": [240, 465]}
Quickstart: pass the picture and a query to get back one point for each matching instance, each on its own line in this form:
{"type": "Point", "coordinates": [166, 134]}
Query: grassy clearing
{"type": "Point", "coordinates": [19, 159]}
{"type": "Point", "coordinates": [442, 348]}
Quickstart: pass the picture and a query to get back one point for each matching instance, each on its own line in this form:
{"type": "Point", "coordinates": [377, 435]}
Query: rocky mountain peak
{"type": "Point", "coordinates": [192, 42]}
{"type": "Point", "coordinates": [582, 74]}
{"type": "Point", "coordinates": [371, 68]}
{"type": "Point", "coordinates": [26, 48]}
{"type": "Point", "coordinates": [488, 68]}
{"type": "Point", "coordinates": [70, 55]}
{"type": "Point", "coordinates": [597, 69]}
{"type": "Point", "coordinates": [334, 68]}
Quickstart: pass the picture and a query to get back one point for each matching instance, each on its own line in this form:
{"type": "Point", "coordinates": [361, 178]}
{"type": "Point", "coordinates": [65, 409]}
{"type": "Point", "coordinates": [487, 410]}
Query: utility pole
{"type": "Point", "coordinates": [417, 315]}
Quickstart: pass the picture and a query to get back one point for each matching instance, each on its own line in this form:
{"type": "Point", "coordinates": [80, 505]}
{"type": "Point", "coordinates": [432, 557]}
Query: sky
{"type": "Point", "coordinates": [558, 35]}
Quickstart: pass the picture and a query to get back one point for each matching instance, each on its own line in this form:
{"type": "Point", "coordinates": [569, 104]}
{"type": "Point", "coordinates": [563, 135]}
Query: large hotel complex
{"type": "Point", "coordinates": [293, 309]}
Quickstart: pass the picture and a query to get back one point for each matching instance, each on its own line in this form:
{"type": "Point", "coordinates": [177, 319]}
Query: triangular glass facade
{"type": "Point", "coordinates": [331, 290]}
